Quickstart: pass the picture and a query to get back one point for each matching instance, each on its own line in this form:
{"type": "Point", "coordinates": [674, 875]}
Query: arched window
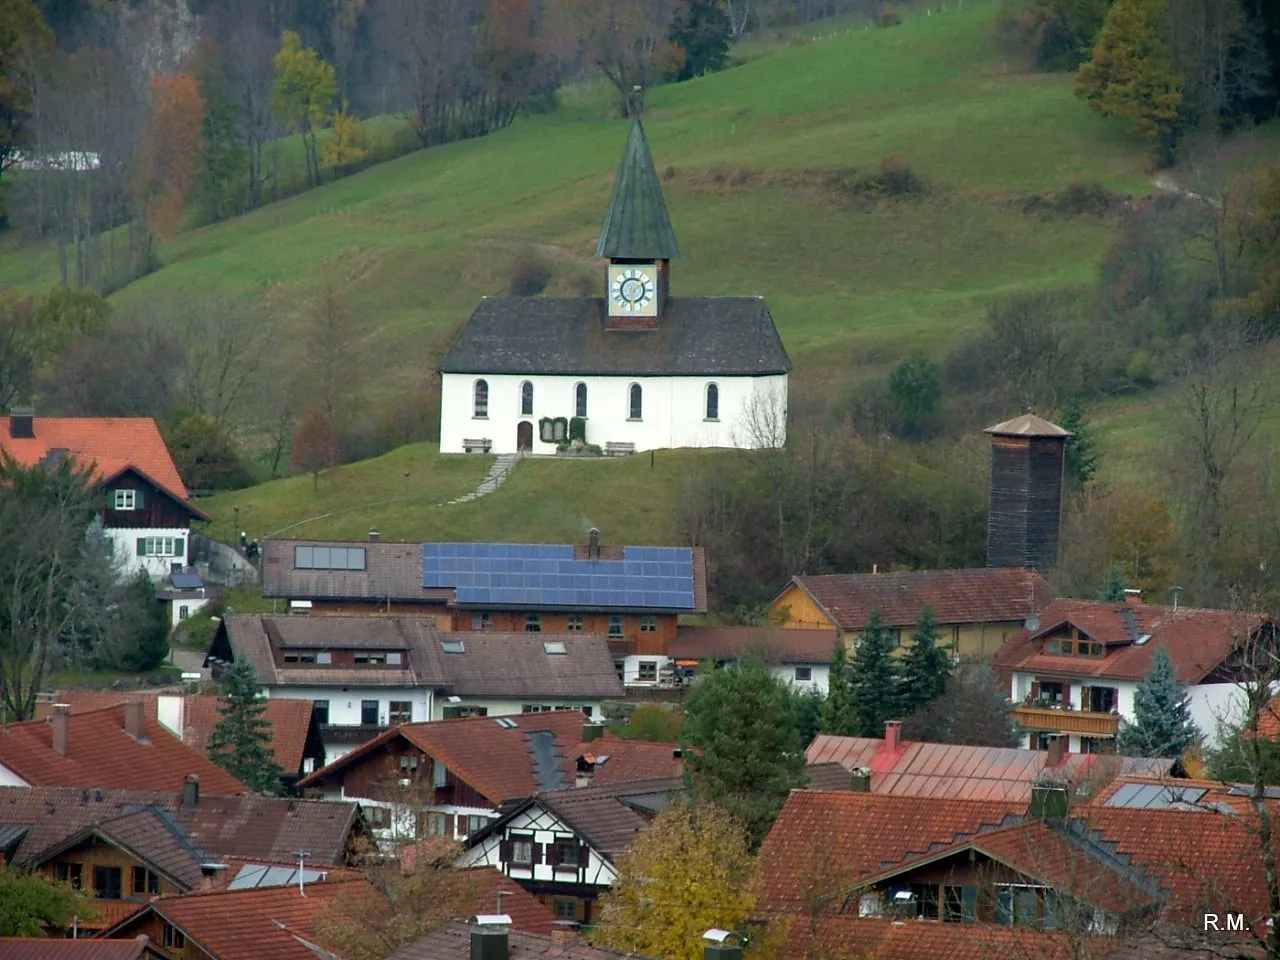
{"type": "Point", "coordinates": [526, 399]}
{"type": "Point", "coordinates": [482, 398]}
{"type": "Point", "coordinates": [636, 407]}
{"type": "Point", "coordinates": [580, 400]}
{"type": "Point", "coordinates": [713, 402]}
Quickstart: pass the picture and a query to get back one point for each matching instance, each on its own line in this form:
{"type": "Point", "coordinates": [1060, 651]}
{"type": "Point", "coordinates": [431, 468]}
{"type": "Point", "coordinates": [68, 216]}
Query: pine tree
{"type": "Point", "coordinates": [925, 667]}
{"type": "Point", "coordinates": [1113, 586]}
{"type": "Point", "coordinates": [1081, 455]}
{"type": "Point", "coordinates": [837, 715]}
{"type": "Point", "coordinates": [241, 743]}
{"type": "Point", "coordinates": [1162, 725]}
{"type": "Point", "coordinates": [876, 679]}
{"type": "Point", "coordinates": [744, 750]}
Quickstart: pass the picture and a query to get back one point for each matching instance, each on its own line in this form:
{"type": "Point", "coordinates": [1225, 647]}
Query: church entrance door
{"type": "Point", "coordinates": [524, 435]}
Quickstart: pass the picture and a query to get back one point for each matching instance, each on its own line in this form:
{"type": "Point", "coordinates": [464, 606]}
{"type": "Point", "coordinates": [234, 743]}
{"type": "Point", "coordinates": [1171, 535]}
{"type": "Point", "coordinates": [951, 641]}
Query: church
{"type": "Point", "coordinates": [634, 369]}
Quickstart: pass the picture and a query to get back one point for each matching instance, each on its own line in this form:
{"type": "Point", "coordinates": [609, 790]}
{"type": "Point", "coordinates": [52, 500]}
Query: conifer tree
{"type": "Point", "coordinates": [925, 667]}
{"type": "Point", "coordinates": [876, 679]}
{"type": "Point", "coordinates": [837, 715]}
{"type": "Point", "coordinates": [241, 742]}
{"type": "Point", "coordinates": [1113, 586]}
{"type": "Point", "coordinates": [1162, 725]}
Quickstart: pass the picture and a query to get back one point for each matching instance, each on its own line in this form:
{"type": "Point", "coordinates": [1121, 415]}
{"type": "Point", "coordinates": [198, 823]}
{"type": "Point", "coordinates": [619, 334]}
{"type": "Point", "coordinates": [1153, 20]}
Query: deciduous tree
{"type": "Point", "coordinates": [626, 40]}
{"type": "Point", "coordinates": [304, 88]}
{"type": "Point", "coordinates": [877, 685]}
{"type": "Point", "coordinates": [915, 390]}
{"type": "Point", "coordinates": [974, 710]}
{"type": "Point", "coordinates": [172, 149]}
{"type": "Point", "coordinates": [926, 666]}
{"type": "Point", "coordinates": [17, 349]}
{"type": "Point", "coordinates": [315, 446]}
{"type": "Point", "coordinates": [206, 456]}
{"type": "Point", "coordinates": [743, 751]}
{"type": "Point", "coordinates": [31, 905]}
{"type": "Point", "coordinates": [346, 144]}
{"type": "Point", "coordinates": [241, 742]}
{"type": "Point", "coordinates": [689, 871]}
{"type": "Point", "coordinates": [702, 30]}
{"type": "Point", "coordinates": [1162, 724]}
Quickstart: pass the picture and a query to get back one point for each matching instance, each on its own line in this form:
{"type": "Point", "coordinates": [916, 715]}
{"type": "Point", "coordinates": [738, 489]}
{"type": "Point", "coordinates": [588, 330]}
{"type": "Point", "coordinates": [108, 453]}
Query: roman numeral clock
{"type": "Point", "coordinates": [633, 290]}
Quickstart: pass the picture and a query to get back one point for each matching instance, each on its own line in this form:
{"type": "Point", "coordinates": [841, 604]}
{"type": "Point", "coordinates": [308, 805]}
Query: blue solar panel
{"type": "Point", "coordinates": [548, 574]}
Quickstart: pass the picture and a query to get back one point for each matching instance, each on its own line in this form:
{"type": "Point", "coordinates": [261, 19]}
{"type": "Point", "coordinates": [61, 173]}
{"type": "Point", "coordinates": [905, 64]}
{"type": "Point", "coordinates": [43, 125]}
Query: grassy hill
{"type": "Point", "coordinates": [745, 154]}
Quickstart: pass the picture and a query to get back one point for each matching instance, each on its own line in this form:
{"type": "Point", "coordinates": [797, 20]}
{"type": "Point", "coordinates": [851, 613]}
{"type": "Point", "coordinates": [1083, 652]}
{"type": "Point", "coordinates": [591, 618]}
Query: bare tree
{"type": "Point", "coordinates": [226, 342]}
{"type": "Point", "coordinates": [626, 40]}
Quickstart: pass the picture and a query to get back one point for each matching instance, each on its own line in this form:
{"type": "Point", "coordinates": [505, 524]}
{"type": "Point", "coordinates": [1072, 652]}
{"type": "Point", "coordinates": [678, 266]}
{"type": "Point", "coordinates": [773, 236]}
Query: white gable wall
{"type": "Point", "coordinates": [124, 540]}
{"type": "Point", "coordinates": [673, 409]}
{"type": "Point", "coordinates": [539, 826]}
{"type": "Point", "coordinates": [10, 779]}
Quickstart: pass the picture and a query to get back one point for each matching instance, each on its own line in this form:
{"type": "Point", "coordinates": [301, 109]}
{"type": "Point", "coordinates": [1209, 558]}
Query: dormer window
{"type": "Point", "coordinates": [371, 658]}
{"type": "Point", "coordinates": [1073, 645]}
{"type": "Point", "coordinates": [126, 499]}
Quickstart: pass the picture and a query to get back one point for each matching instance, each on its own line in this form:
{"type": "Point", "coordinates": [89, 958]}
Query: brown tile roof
{"type": "Point", "coordinates": [980, 595]}
{"type": "Point", "coordinates": [1197, 640]}
{"type": "Point", "coordinates": [111, 444]}
{"type": "Point", "coordinates": [950, 771]}
{"type": "Point", "coordinates": [261, 829]}
{"type": "Point", "coordinates": [149, 835]}
{"type": "Point", "coordinates": [609, 817]}
{"type": "Point", "coordinates": [491, 664]}
{"type": "Point", "coordinates": [528, 914]}
{"type": "Point", "coordinates": [631, 759]}
{"type": "Point", "coordinates": [101, 755]}
{"type": "Point", "coordinates": [289, 719]}
{"type": "Point", "coordinates": [393, 571]}
{"type": "Point", "coordinates": [885, 939]}
{"type": "Point", "coordinates": [537, 752]}
{"type": "Point", "coordinates": [453, 942]}
{"type": "Point", "coordinates": [772, 644]}
{"type": "Point", "coordinates": [44, 948]}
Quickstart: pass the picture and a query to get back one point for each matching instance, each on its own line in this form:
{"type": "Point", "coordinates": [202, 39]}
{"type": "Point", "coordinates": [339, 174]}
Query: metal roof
{"type": "Point", "coordinates": [186, 581]}
{"type": "Point", "coordinates": [636, 225]}
{"type": "Point", "coordinates": [265, 875]}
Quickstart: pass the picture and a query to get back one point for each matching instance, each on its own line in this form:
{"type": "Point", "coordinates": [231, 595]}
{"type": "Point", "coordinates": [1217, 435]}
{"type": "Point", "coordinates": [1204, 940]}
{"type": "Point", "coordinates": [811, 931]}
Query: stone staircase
{"type": "Point", "coordinates": [503, 464]}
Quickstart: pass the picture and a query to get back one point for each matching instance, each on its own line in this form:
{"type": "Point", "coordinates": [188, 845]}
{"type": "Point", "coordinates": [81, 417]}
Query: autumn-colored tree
{"type": "Point", "coordinates": [688, 872]}
{"type": "Point", "coordinates": [24, 36]}
{"type": "Point", "coordinates": [172, 148]}
{"type": "Point", "coordinates": [303, 89]}
{"type": "Point", "coordinates": [1131, 75]}
{"type": "Point", "coordinates": [346, 144]}
{"type": "Point", "coordinates": [509, 50]}
{"type": "Point", "coordinates": [315, 446]}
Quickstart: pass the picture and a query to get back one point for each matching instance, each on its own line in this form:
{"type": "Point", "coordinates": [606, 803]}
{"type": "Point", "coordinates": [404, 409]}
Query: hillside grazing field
{"type": "Point", "coordinates": [414, 243]}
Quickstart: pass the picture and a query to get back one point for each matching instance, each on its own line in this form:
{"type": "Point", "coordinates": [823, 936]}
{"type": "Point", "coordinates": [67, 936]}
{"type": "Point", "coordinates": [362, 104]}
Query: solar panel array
{"type": "Point", "coordinates": [532, 574]}
{"type": "Point", "coordinates": [261, 875]}
{"type": "Point", "coordinates": [1154, 796]}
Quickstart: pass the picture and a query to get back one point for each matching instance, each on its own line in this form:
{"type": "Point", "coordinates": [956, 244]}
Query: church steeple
{"type": "Point", "coordinates": [636, 225]}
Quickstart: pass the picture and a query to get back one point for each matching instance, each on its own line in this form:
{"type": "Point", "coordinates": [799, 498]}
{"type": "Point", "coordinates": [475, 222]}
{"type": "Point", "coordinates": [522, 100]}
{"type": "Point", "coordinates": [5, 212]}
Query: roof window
{"type": "Point", "coordinates": [506, 723]}
{"type": "Point", "coordinates": [453, 646]}
{"type": "Point", "coordinates": [554, 647]}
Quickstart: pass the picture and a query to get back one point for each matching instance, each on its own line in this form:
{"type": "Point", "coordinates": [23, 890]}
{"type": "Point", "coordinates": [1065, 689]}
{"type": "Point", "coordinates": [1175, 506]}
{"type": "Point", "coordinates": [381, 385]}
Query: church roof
{"type": "Point", "coordinates": [698, 336]}
{"type": "Point", "coordinates": [636, 225]}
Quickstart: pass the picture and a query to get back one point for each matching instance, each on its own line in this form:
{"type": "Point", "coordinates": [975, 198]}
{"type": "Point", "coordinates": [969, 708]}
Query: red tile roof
{"type": "Point", "coordinates": [498, 761]}
{"type": "Point", "coordinates": [883, 939]}
{"type": "Point", "coordinates": [526, 911]}
{"type": "Point", "coordinates": [110, 444]}
{"type": "Point", "coordinates": [1197, 640]}
{"type": "Point", "coordinates": [1269, 720]}
{"type": "Point", "coordinates": [102, 755]}
{"type": "Point", "coordinates": [289, 719]}
{"type": "Point", "coordinates": [453, 942]}
{"type": "Point", "coordinates": [772, 644]}
{"type": "Point", "coordinates": [44, 948]}
{"type": "Point", "coordinates": [980, 595]}
{"type": "Point", "coordinates": [943, 770]}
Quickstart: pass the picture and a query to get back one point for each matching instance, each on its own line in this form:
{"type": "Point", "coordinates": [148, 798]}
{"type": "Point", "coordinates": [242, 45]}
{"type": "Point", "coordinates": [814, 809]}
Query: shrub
{"type": "Point", "coordinates": [669, 173]}
{"type": "Point", "coordinates": [530, 275]}
{"type": "Point", "coordinates": [1075, 200]}
{"type": "Point", "coordinates": [897, 179]}
{"type": "Point", "coordinates": [719, 176]}
{"type": "Point", "coordinates": [578, 429]}
{"type": "Point", "coordinates": [888, 16]}
{"type": "Point", "coordinates": [741, 176]}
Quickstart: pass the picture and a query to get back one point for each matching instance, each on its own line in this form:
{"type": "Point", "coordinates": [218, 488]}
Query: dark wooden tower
{"type": "Point", "coordinates": [1024, 508]}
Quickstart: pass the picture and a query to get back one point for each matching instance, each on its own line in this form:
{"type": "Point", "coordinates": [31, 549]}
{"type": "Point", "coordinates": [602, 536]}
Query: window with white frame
{"type": "Point", "coordinates": [615, 625]}
{"type": "Point", "coordinates": [481, 410]}
{"type": "Point", "coordinates": [125, 500]}
{"type": "Point", "coordinates": [522, 850]}
{"type": "Point", "coordinates": [161, 547]}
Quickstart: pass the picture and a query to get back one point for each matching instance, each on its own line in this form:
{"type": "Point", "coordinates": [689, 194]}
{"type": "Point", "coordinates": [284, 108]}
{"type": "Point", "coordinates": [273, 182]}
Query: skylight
{"type": "Point", "coordinates": [453, 646]}
{"type": "Point", "coordinates": [506, 723]}
{"type": "Point", "coordinates": [554, 647]}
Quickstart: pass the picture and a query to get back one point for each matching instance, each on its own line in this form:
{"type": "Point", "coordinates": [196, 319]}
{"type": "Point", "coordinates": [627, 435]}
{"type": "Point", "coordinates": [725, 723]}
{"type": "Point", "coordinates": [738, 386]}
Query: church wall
{"type": "Point", "coordinates": [673, 410]}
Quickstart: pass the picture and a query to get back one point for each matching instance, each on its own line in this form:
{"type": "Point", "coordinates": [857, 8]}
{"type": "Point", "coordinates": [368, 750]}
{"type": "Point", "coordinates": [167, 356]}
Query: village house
{"type": "Point", "coordinates": [146, 509]}
{"type": "Point", "coordinates": [366, 674]}
{"type": "Point", "coordinates": [192, 717]}
{"type": "Point", "coordinates": [42, 948]}
{"type": "Point", "coordinates": [110, 748]}
{"type": "Point", "coordinates": [800, 657]}
{"type": "Point", "coordinates": [977, 609]}
{"type": "Point", "coordinates": [634, 369]}
{"type": "Point", "coordinates": [1020, 878]}
{"type": "Point", "coordinates": [1073, 670]}
{"type": "Point", "coordinates": [908, 768]}
{"type": "Point", "coordinates": [459, 940]}
{"type": "Point", "coordinates": [452, 778]}
{"type": "Point", "coordinates": [185, 593]}
{"type": "Point", "coordinates": [634, 596]}
{"type": "Point", "coordinates": [284, 922]}
{"type": "Point", "coordinates": [560, 845]}
{"type": "Point", "coordinates": [125, 847]}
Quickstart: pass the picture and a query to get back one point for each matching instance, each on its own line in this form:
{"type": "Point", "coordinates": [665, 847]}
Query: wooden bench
{"type": "Point", "coordinates": [616, 448]}
{"type": "Point", "coordinates": [477, 446]}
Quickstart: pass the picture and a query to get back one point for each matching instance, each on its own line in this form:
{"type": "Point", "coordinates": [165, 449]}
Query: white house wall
{"type": "Point", "coordinates": [344, 706]}
{"type": "Point", "coordinates": [177, 606]}
{"type": "Point", "coordinates": [124, 540]}
{"type": "Point", "coordinates": [673, 410]}
{"type": "Point", "coordinates": [819, 676]}
{"type": "Point", "coordinates": [498, 707]}
{"type": "Point", "coordinates": [542, 827]}
{"type": "Point", "coordinates": [10, 779]}
{"type": "Point", "coordinates": [1215, 702]}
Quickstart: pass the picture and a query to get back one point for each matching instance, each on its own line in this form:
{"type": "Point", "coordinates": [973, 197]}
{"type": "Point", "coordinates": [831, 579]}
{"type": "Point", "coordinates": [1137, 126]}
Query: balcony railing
{"type": "Point", "coordinates": [1055, 720]}
{"type": "Point", "coordinates": [350, 732]}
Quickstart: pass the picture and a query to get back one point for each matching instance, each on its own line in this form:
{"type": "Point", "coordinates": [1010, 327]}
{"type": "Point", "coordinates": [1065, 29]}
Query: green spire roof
{"type": "Point", "coordinates": [636, 226]}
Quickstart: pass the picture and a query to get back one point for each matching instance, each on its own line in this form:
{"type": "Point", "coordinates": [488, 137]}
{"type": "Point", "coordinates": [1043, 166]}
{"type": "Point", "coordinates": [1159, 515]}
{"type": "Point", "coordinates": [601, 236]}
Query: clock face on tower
{"type": "Point", "coordinates": [633, 290]}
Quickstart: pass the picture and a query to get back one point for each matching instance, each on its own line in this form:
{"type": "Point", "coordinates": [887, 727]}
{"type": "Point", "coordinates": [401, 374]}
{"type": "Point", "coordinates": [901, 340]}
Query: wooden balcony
{"type": "Point", "coordinates": [1052, 720]}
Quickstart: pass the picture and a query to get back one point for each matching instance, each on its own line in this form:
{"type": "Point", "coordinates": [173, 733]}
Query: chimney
{"type": "Point", "coordinates": [22, 423]}
{"type": "Point", "coordinates": [892, 729]}
{"type": "Point", "coordinates": [860, 780]}
{"type": "Point", "coordinates": [1133, 595]}
{"type": "Point", "coordinates": [593, 544]}
{"type": "Point", "coordinates": [592, 731]}
{"type": "Point", "coordinates": [489, 943]}
{"type": "Point", "coordinates": [135, 720]}
{"type": "Point", "coordinates": [61, 727]}
{"type": "Point", "coordinates": [373, 536]}
{"type": "Point", "coordinates": [1057, 752]}
{"type": "Point", "coordinates": [1048, 802]}
{"type": "Point", "coordinates": [169, 711]}
{"type": "Point", "coordinates": [1024, 499]}
{"type": "Point", "coordinates": [190, 791]}
{"type": "Point", "coordinates": [722, 951]}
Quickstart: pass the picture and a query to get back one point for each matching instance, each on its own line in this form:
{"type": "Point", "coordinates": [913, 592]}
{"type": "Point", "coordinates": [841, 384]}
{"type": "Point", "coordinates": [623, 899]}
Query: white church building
{"type": "Point", "coordinates": [635, 369]}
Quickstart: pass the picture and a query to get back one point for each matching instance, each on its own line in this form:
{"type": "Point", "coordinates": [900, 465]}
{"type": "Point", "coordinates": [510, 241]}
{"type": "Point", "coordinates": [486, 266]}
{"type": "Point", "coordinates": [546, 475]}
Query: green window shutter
{"type": "Point", "coordinates": [142, 546]}
{"type": "Point", "coordinates": [137, 500]}
{"type": "Point", "coordinates": [179, 548]}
